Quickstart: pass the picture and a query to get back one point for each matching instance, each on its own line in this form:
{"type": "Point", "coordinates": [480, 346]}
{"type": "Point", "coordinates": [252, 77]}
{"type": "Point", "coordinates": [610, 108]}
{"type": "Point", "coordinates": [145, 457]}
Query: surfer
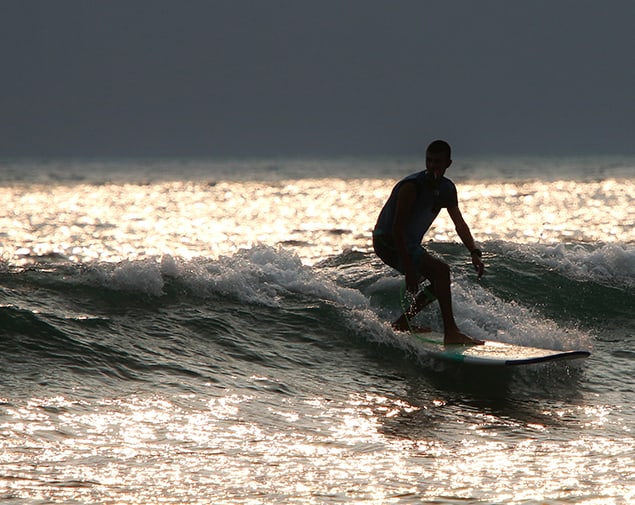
{"type": "Point", "coordinates": [410, 210]}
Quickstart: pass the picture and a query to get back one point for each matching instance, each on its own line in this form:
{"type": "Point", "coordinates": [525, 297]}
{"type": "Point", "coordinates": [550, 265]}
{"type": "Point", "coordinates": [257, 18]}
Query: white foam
{"type": "Point", "coordinates": [609, 264]}
{"type": "Point", "coordinates": [481, 314]}
{"type": "Point", "coordinates": [261, 274]}
{"type": "Point", "coordinates": [141, 276]}
{"type": "Point", "coordinates": [612, 264]}
{"type": "Point", "coordinates": [270, 276]}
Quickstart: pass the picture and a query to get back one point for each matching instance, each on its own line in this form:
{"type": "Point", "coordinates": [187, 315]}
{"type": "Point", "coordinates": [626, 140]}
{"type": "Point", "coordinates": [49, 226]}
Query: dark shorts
{"type": "Point", "coordinates": [387, 252]}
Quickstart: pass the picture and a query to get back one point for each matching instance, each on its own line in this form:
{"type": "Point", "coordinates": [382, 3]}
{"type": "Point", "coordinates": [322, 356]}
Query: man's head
{"type": "Point", "coordinates": [438, 158]}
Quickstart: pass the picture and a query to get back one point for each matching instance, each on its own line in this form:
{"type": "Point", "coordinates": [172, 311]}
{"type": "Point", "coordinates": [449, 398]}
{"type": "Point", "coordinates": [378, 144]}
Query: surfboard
{"type": "Point", "coordinates": [493, 353]}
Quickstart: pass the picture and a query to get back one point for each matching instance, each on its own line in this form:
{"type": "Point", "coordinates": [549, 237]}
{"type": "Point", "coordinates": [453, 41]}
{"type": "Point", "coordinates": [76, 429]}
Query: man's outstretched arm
{"type": "Point", "coordinates": [464, 233]}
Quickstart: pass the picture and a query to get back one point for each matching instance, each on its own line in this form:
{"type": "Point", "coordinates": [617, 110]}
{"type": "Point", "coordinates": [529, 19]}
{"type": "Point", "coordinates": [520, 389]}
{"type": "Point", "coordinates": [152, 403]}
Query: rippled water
{"type": "Point", "coordinates": [213, 338]}
{"type": "Point", "coordinates": [316, 217]}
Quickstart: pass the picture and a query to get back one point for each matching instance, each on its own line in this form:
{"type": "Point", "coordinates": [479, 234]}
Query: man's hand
{"type": "Point", "coordinates": [478, 265]}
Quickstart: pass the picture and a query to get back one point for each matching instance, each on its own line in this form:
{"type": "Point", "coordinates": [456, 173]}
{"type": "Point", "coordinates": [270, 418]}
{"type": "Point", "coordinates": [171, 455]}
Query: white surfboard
{"type": "Point", "coordinates": [493, 353]}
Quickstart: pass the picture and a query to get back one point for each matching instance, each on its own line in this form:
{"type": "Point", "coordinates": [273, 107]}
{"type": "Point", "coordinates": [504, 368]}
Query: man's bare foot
{"type": "Point", "coordinates": [456, 337]}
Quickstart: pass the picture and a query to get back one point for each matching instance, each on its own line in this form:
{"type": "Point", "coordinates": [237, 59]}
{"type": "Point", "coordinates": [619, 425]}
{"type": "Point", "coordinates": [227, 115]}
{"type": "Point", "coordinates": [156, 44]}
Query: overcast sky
{"type": "Point", "coordinates": [315, 77]}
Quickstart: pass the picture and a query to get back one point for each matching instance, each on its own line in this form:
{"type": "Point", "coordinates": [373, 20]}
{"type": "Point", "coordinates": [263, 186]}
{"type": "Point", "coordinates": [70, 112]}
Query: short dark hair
{"type": "Point", "coordinates": [440, 146]}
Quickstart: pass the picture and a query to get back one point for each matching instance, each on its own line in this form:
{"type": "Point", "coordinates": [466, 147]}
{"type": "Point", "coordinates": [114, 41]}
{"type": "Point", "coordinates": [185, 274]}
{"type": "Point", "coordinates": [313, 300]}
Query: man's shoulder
{"type": "Point", "coordinates": [447, 183]}
{"type": "Point", "coordinates": [410, 181]}
{"type": "Point", "coordinates": [448, 193]}
{"type": "Point", "coordinates": [414, 177]}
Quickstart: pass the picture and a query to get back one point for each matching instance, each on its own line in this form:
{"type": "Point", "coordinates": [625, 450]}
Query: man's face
{"type": "Point", "coordinates": [437, 164]}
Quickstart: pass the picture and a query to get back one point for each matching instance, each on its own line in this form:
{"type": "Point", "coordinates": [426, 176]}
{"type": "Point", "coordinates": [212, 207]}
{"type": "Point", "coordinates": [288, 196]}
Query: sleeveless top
{"type": "Point", "coordinates": [431, 198]}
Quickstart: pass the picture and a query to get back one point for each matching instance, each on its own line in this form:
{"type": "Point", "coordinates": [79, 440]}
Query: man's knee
{"type": "Point", "coordinates": [443, 271]}
{"type": "Point", "coordinates": [437, 270]}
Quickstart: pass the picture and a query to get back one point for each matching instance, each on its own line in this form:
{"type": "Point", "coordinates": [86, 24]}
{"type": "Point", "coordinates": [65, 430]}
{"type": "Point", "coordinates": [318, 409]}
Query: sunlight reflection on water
{"type": "Point", "coordinates": [248, 448]}
{"type": "Point", "coordinates": [317, 218]}
{"type": "Point", "coordinates": [150, 450]}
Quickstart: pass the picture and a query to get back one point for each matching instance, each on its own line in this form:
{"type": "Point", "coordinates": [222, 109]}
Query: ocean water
{"type": "Point", "coordinates": [216, 331]}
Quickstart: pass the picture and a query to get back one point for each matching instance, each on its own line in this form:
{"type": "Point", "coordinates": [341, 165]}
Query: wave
{"type": "Point", "coordinates": [607, 264]}
{"type": "Point", "coordinates": [195, 318]}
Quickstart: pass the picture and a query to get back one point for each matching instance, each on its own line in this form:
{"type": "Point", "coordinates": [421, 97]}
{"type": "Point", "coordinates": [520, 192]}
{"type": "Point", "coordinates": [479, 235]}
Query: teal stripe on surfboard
{"type": "Point", "coordinates": [493, 353]}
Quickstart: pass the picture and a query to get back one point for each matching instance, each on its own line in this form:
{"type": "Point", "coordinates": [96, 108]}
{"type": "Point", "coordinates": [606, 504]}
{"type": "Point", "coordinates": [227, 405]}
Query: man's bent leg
{"type": "Point", "coordinates": [424, 298]}
{"type": "Point", "coordinates": [438, 273]}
